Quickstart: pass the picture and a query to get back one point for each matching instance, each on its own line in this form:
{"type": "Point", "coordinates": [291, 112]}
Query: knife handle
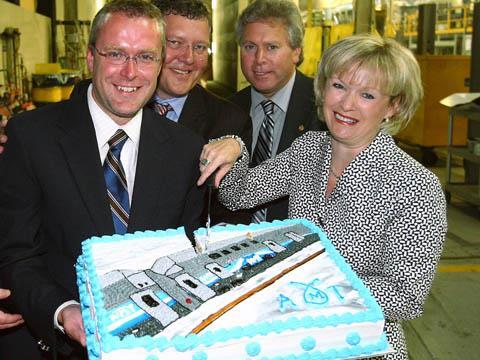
{"type": "Point", "coordinates": [210, 182]}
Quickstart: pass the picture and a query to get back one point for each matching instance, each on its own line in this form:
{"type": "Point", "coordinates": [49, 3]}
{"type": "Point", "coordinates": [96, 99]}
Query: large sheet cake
{"type": "Point", "coordinates": [271, 290]}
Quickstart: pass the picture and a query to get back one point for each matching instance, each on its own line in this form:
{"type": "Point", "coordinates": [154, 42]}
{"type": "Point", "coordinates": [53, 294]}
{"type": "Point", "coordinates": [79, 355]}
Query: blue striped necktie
{"type": "Point", "coordinates": [117, 183]}
{"type": "Point", "coordinates": [263, 149]}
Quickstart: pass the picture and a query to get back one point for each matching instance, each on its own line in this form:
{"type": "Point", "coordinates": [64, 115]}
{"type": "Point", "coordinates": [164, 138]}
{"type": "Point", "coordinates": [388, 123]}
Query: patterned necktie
{"type": "Point", "coordinates": [162, 109]}
{"type": "Point", "coordinates": [263, 149]}
{"type": "Point", "coordinates": [117, 183]}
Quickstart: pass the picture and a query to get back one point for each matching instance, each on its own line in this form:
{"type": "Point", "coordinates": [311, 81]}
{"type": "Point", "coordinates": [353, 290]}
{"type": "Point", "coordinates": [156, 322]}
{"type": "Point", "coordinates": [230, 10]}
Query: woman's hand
{"type": "Point", "coordinates": [219, 156]}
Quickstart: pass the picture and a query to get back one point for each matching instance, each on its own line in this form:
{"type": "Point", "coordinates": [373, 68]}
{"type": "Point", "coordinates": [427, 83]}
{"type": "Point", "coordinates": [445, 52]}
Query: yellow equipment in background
{"type": "Point", "coordinates": [453, 28]}
{"type": "Point", "coordinates": [51, 83]}
{"type": "Point", "coordinates": [340, 31]}
{"type": "Point", "coordinates": [318, 37]}
{"type": "Point", "coordinates": [312, 50]}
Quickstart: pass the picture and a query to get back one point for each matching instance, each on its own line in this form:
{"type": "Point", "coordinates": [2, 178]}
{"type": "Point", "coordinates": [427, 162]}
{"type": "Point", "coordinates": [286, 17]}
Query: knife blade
{"type": "Point", "coordinates": [210, 187]}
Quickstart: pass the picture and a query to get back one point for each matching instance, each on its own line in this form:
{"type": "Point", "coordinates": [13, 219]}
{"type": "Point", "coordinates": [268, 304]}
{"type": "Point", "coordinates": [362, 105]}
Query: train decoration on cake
{"type": "Point", "coordinates": [146, 302]}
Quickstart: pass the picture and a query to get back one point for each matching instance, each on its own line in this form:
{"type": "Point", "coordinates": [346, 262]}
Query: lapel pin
{"type": "Point", "coordinates": [301, 127]}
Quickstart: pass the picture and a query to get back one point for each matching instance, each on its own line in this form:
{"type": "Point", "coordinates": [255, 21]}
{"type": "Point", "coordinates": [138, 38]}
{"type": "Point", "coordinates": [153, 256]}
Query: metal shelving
{"type": "Point", "coordinates": [467, 192]}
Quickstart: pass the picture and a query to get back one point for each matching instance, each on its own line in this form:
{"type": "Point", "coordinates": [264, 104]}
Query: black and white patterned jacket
{"type": "Point", "coordinates": [386, 215]}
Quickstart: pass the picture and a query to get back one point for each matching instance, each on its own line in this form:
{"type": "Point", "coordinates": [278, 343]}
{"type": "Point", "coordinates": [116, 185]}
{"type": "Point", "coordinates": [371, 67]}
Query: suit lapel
{"type": "Point", "coordinates": [151, 170]}
{"type": "Point", "coordinates": [244, 99]}
{"type": "Point", "coordinates": [297, 113]}
{"type": "Point", "coordinates": [193, 112]}
{"type": "Point", "coordinates": [80, 147]}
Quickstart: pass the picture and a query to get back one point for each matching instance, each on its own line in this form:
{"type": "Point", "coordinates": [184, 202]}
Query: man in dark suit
{"type": "Point", "coordinates": [270, 35]}
{"type": "Point", "coordinates": [188, 27]}
{"type": "Point", "coordinates": [53, 187]}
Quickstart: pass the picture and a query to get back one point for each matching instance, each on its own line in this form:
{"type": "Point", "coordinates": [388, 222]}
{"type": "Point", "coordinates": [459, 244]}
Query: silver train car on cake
{"type": "Point", "coordinates": [146, 302]}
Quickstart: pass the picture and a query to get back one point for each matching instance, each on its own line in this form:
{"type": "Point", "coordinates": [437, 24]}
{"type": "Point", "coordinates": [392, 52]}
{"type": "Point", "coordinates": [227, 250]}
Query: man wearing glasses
{"type": "Point", "coordinates": [180, 98]}
{"type": "Point", "coordinates": [94, 165]}
{"type": "Point", "coordinates": [187, 31]}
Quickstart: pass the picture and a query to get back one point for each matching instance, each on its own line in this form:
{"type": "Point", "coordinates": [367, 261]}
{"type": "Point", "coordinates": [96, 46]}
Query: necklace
{"type": "Point", "coordinates": [335, 175]}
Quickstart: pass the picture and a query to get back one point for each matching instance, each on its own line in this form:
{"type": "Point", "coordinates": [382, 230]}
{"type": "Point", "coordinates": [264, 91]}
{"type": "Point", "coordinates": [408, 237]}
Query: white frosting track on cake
{"type": "Point", "coordinates": [264, 305]}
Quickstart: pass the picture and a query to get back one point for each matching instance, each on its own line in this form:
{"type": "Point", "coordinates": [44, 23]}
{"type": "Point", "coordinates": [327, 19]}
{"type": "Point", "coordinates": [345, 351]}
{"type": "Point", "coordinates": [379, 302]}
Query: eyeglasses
{"type": "Point", "coordinates": [198, 49]}
{"type": "Point", "coordinates": [116, 57]}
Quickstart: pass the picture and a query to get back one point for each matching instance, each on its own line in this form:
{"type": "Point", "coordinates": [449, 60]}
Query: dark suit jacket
{"type": "Point", "coordinates": [53, 196]}
{"type": "Point", "coordinates": [212, 117]}
{"type": "Point", "coordinates": [301, 117]}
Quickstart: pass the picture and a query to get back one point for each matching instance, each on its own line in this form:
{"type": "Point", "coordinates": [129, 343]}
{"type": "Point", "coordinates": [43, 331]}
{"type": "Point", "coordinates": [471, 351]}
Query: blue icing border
{"type": "Point", "coordinates": [347, 352]}
{"type": "Point", "coordinates": [109, 342]}
{"type": "Point", "coordinates": [353, 338]}
{"type": "Point", "coordinates": [308, 343]}
{"type": "Point", "coordinates": [253, 349]}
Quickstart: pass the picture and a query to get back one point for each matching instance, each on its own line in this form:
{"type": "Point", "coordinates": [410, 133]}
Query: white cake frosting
{"type": "Point", "coordinates": [260, 291]}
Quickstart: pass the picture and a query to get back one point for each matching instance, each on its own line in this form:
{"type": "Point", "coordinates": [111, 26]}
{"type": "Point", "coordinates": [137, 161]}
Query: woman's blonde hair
{"type": "Point", "coordinates": [397, 70]}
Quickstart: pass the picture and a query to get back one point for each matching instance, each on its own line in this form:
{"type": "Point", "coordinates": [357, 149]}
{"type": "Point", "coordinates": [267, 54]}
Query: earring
{"type": "Point", "coordinates": [386, 120]}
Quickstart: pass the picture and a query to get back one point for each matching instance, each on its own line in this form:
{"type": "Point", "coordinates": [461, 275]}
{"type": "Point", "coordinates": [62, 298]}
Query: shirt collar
{"type": "Point", "coordinates": [281, 98]}
{"type": "Point", "coordinates": [105, 127]}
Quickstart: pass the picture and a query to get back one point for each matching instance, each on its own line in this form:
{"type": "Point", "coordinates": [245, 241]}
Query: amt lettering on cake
{"type": "Point", "coordinates": [177, 285]}
{"type": "Point", "coordinates": [312, 295]}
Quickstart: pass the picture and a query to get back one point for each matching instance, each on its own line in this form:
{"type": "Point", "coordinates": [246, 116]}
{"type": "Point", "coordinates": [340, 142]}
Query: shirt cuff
{"type": "Point", "coordinates": [56, 324]}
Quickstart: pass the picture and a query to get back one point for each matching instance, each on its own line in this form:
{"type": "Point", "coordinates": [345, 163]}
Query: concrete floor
{"type": "Point", "coordinates": [450, 325]}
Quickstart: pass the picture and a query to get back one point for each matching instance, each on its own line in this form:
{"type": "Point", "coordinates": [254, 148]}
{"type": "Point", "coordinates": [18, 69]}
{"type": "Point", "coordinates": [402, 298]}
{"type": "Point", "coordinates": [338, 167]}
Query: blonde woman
{"type": "Point", "coordinates": [383, 210]}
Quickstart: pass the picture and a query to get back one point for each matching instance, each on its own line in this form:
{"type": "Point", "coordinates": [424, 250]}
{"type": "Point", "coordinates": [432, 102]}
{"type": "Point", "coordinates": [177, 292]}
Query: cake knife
{"type": "Point", "coordinates": [210, 187]}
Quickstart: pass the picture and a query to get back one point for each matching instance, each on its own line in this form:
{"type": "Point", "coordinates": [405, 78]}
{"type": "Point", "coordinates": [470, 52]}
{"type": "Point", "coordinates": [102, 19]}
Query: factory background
{"type": "Point", "coordinates": [44, 44]}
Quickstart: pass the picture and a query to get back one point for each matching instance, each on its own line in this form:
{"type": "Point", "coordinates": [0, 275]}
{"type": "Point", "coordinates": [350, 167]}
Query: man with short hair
{"type": "Point", "coordinates": [270, 35]}
{"type": "Point", "coordinates": [180, 98]}
{"type": "Point", "coordinates": [55, 192]}
{"type": "Point", "coordinates": [187, 31]}
{"type": "Point", "coordinates": [188, 27]}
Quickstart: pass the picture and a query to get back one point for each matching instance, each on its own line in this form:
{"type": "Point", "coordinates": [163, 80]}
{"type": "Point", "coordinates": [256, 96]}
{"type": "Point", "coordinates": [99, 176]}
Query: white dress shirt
{"type": "Point", "coordinates": [105, 128]}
